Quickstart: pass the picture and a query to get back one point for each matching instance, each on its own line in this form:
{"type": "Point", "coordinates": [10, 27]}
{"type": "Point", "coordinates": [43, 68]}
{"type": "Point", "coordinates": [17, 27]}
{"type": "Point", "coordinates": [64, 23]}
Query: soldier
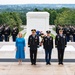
{"type": "Point", "coordinates": [33, 43]}
{"type": "Point", "coordinates": [68, 34]}
{"type": "Point", "coordinates": [7, 33]}
{"type": "Point", "coordinates": [48, 46]}
{"type": "Point", "coordinates": [60, 43]}
{"type": "Point", "coordinates": [1, 33]}
{"type": "Point", "coordinates": [14, 33]}
{"type": "Point", "coordinates": [73, 33]}
{"type": "Point", "coordinates": [3, 28]}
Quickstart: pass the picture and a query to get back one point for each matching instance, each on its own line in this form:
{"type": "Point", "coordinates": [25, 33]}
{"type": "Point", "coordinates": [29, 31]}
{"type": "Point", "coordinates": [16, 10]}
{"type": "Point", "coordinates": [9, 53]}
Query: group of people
{"type": "Point", "coordinates": [48, 45]}
{"type": "Point", "coordinates": [69, 31]}
{"type": "Point", "coordinates": [6, 31]}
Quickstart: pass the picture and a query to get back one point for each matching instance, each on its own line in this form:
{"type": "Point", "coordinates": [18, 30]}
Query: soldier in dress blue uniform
{"type": "Point", "coordinates": [3, 28]}
{"type": "Point", "coordinates": [48, 46]}
{"type": "Point", "coordinates": [7, 33]}
{"type": "Point", "coordinates": [73, 33]}
{"type": "Point", "coordinates": [33, 43]}
{"type": "Point", "coordinates": [14, 33]}
{"type": "Point", "coordinates": [68, 34]}
{"type": "Point", "coordinates": [60, 43]}
{"type": "Point", "coordinates": [1, 33]}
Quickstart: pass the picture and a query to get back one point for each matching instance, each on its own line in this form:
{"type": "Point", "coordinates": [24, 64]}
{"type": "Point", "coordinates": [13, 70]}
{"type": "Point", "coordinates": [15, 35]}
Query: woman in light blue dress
{"type": "Point", "coordinates": [20, 48]}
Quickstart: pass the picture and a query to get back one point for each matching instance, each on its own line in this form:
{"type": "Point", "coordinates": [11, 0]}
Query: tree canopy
{"type": "Point", "coordinates": [63, 16]}
{"type": "Point", "coordinates": [10, 18]}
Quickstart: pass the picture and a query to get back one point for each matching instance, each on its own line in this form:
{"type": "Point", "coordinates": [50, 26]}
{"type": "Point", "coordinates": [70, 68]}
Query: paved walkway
{"type": "Point", "coordinates": [39, 69]}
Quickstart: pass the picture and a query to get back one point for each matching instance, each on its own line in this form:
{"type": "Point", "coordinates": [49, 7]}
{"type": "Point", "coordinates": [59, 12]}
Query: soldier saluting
{"type": "Point", "coordinates": [48, 46]}
{"type": "Point", "coordinates": [60, 43]}
{"type": "Point", "coordinates": [33, 43]}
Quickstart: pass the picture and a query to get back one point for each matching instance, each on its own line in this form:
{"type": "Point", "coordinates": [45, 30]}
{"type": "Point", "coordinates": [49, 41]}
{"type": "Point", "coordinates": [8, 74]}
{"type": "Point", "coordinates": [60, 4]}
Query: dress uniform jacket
{"type": "Point", "coordinates": [73, 32]}
{"type": "Point", "coordinates": [68, 32]}
{"type": "Point", "coordinates": [48, 42]}
{"type": "Point", "coordinates": [15, 31]}
{"type": "Point", "coordinates": [33, 42]}
{"type": "Point", "coordinates": [60, 41]}
{"type": "Point", "coordinates": [1, 32]}
{"type": "Point", "coordinates": [7, 31]}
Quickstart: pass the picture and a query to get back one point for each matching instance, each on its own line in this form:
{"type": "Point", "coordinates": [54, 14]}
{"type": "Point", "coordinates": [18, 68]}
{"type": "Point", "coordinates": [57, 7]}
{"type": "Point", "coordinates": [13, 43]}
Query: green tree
{"type": "Point", "coordinates": [65, 18]}
{"type": "Point", "coordinates": [10, 18]}
{"type": "Point", "coordinates": [36, 9]}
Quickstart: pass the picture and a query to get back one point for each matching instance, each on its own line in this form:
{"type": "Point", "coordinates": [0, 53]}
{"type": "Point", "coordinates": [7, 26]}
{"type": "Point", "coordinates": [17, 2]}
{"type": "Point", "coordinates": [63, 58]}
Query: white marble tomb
{"type": "Point", "coordinates": [38, 21]}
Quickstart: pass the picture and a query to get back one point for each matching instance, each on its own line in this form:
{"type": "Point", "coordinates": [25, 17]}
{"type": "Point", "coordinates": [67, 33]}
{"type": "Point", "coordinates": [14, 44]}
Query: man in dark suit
{"type": "Point", "coordinates": [33, 43]}
{"type": "Point", "coordinates": [14, 33]}
{"type": "Point", "coordinates": [60, 43]}
{"type": "Point", "coordinates": [48, 46]}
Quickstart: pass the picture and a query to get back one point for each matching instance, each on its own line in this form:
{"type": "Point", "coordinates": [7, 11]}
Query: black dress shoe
{"type": "Point", "coordinates": [46, 63]}
{"type": "Point", "coordinates": [34, 63]}
{"type": "Point", "coordinates": [31, 63]}
{"type": "Point", "coordinates": [61, 63]}
{"type": "Point", "coordinates": [49, 63]}
{"type": "Point", "coordinates": [58, 63]}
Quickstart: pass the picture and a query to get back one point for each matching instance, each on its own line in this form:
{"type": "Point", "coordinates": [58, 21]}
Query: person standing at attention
{"type": "Point", "coordinates": [33, 44]}
{"type": "Point", "coordinates": [20, 48]}
{"type": "Point", "coordinates": [48, 46]}
{"type": "Point", "coordinates": [60, 44]}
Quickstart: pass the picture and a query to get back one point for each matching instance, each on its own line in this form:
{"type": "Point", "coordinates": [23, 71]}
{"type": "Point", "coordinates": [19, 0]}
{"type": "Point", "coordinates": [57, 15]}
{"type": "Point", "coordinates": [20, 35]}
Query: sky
{"type": "Point", "coordinates": [5, 2]}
